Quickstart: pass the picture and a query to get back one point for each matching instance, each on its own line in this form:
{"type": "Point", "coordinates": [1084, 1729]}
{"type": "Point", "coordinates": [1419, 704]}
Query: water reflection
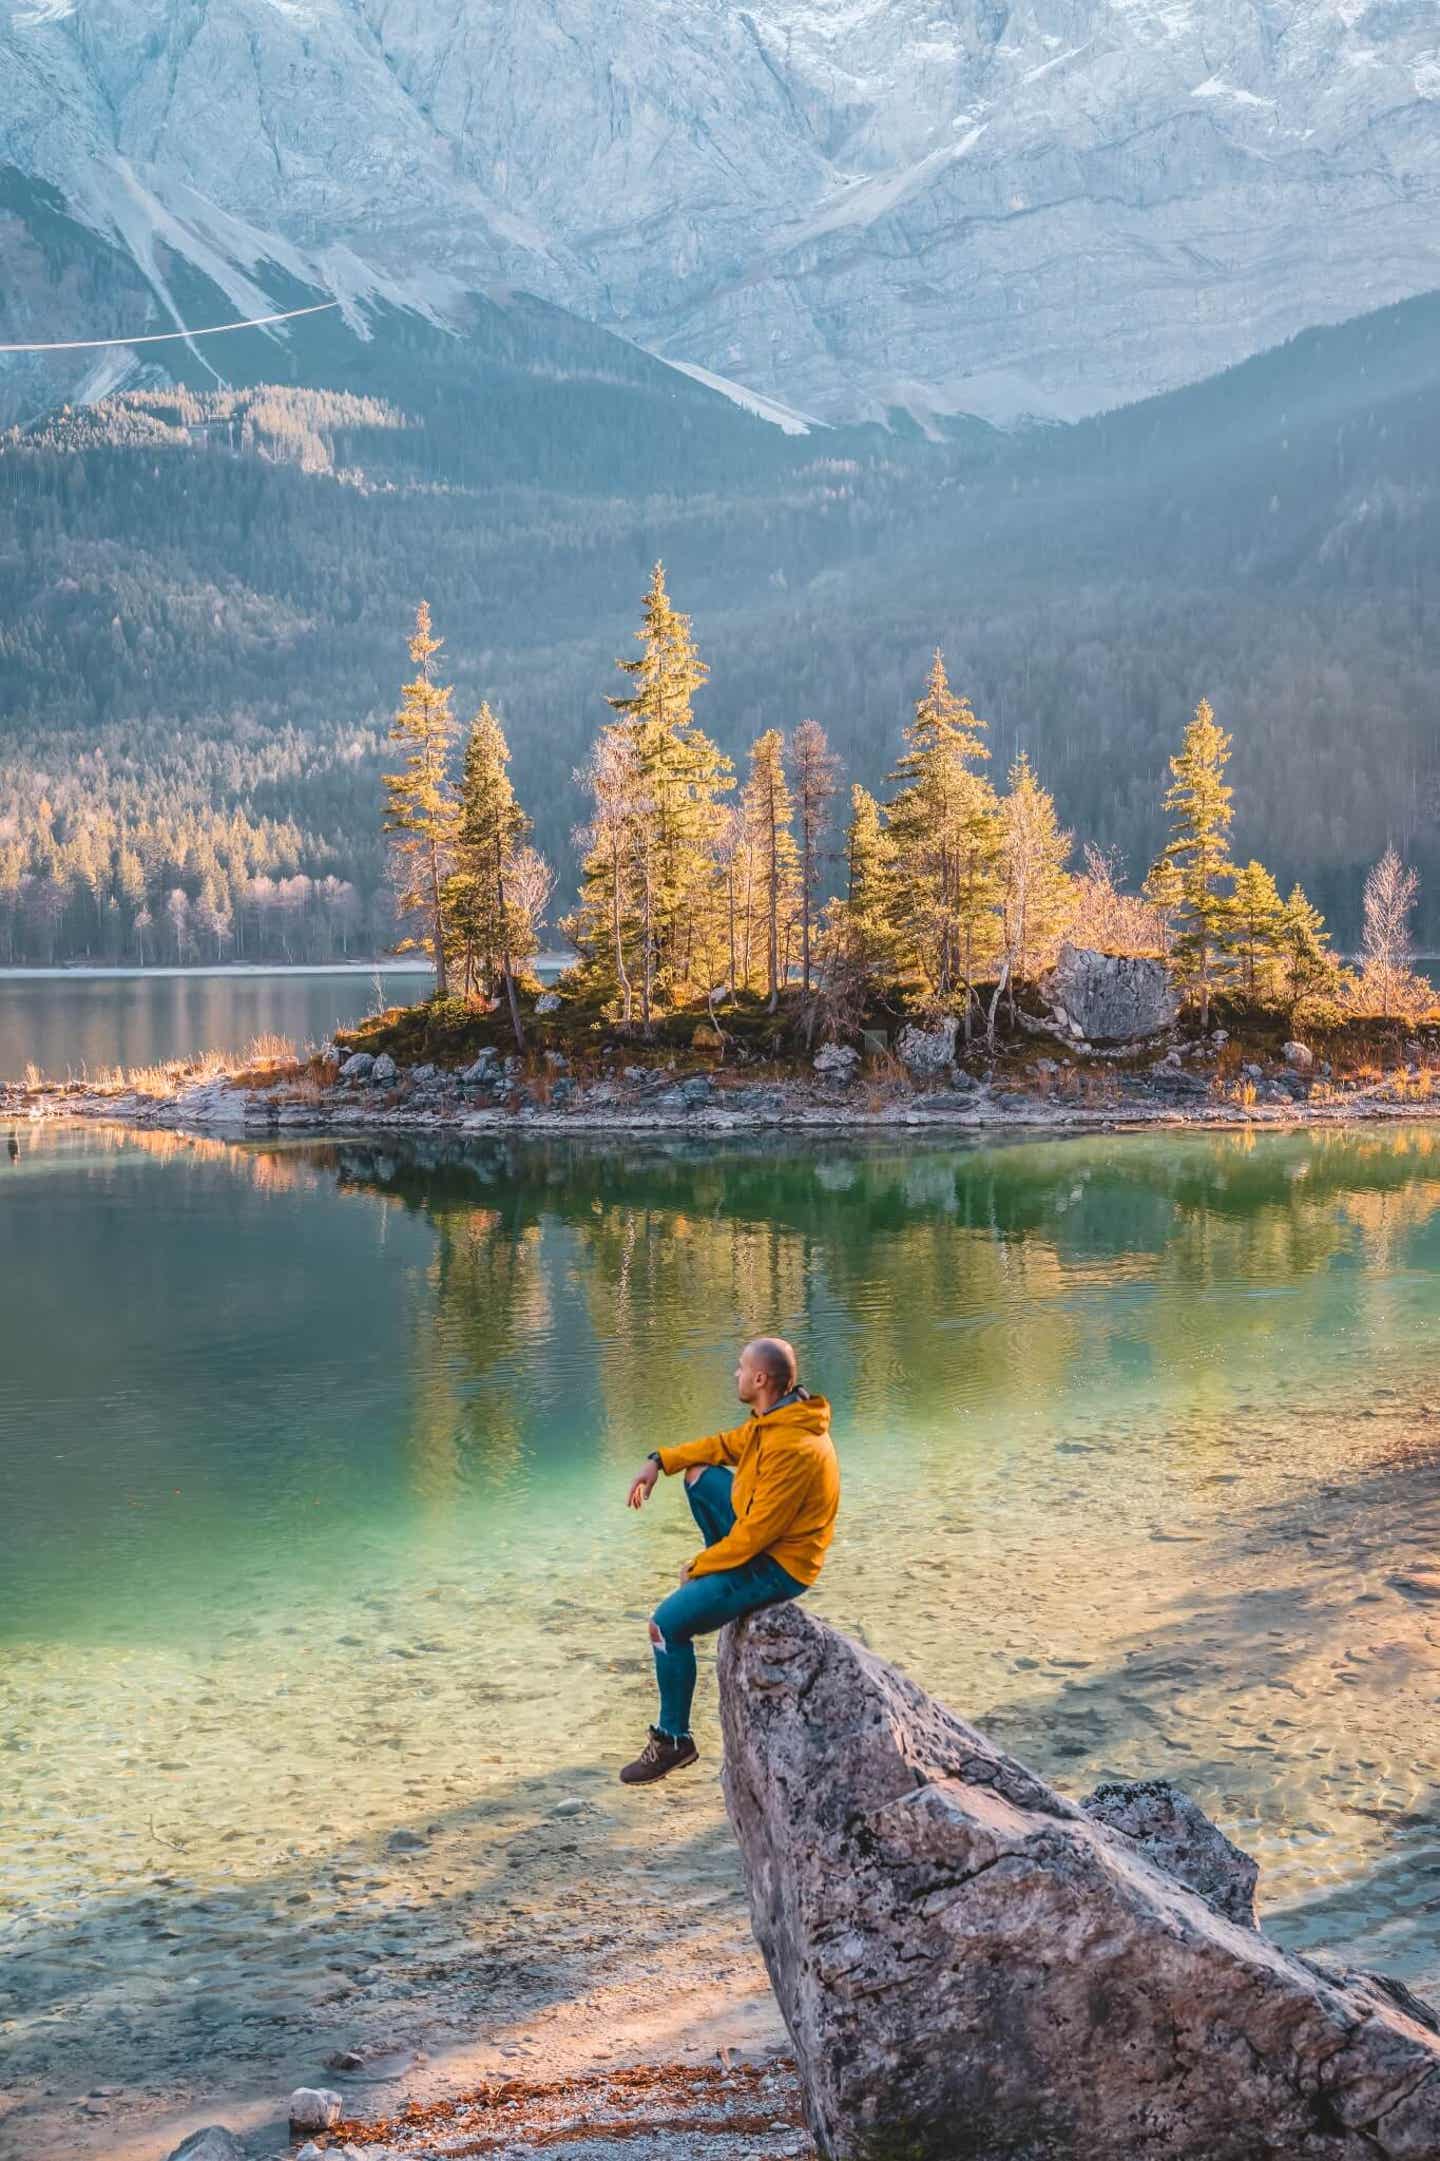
{"type": "Point", "coordinates": [302, 1441]}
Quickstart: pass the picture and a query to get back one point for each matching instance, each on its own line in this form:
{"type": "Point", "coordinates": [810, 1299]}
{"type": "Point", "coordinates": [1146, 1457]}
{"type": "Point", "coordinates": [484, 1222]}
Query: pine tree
{"type": "Point", "coordinates": [1256, 913]}
{"type": "Point", "coordinates": [683, 775]}
{"type": "Point", "coordinates": [860, 947]}
{"type": "Point", "coordinates": [1200, 805]}
{"type": "Point", "coordinates": [420, 804]}
{"type": "Point", "coordinates": [946, 826]}
{"type": "Point", "coordinates": [1037, 898]}
{"type": "Point", "coordinates": [1307, 968]}
{"type": "Point", "coordinates": [816, 773]}
{"type": "Point", "coordinates": [488, 932]}
{"type": "Point", "coordinates": [768, 814]}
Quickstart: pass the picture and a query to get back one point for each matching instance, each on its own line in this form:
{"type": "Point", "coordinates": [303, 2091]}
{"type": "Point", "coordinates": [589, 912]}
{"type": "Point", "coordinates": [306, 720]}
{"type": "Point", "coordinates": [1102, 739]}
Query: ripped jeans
{"type": "Point", "coordinates": [706, 1603]}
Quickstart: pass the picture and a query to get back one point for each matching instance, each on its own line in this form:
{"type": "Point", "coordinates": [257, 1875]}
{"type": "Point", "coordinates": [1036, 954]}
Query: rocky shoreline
{"type": "Point", "coordinates": [497, 1095]}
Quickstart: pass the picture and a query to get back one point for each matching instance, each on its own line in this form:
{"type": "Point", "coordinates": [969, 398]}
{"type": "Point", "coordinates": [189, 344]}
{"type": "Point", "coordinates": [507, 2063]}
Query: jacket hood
{"type": "Point", "coordinates": [810, 1416]}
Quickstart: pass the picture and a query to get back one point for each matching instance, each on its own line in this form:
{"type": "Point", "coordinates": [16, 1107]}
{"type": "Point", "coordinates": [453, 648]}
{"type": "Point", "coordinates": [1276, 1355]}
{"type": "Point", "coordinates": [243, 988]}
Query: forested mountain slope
{"type": "Point", "coordinates": [204, 598]}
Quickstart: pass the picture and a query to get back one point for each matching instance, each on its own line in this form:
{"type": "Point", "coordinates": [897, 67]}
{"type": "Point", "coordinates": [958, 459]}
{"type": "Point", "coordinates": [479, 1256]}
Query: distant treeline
{"type": "Point", "coordinates": [199, 594]}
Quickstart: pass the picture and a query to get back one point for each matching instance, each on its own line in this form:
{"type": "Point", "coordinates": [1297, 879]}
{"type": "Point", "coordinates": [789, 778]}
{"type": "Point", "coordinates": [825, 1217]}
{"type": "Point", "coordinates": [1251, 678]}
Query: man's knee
{"type": "Point", "coordinates": [656, 1638]}
{"type": "Point", "coordinates": [693, 1473]}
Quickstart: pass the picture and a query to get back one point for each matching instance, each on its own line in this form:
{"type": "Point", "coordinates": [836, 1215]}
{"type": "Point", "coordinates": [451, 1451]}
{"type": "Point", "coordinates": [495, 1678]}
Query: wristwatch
{"type": "Point", "coordinates": [654, 1457]}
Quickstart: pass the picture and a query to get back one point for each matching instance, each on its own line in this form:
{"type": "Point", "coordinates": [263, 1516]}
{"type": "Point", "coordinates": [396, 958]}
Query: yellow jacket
{"type": "Point", "coordinates": [786, 1493]}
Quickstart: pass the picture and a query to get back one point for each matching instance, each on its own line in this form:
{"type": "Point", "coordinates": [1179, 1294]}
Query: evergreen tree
{"type": "Point", "coordinates": [1256, 913]}
{"type": "Point", "coordinates": [674, 847]}
{"type": "Point", "coordinates": [816, 773]}
{"type": "Point", "coordinates": [1199, 803]}
{"type": "Point", "coordinates": [768, 813]}
{"type": "Point", "coordinates": [488, 931]}
{"type": "Point", "coordinates": [1037, 898]}
{"type": "Point", "coordinates": [1307, 968]}
{"type": "Point", "coordinates": [946, 826]}
{"type": "Point", "coordinates": [860, 948]}
{"type": "Point", "coordinates": [420, 804]}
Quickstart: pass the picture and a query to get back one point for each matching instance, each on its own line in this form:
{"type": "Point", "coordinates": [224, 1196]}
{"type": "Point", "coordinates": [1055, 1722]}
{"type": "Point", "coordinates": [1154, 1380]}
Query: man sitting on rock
{"type": "Point", "coordinates": [765, 1496]}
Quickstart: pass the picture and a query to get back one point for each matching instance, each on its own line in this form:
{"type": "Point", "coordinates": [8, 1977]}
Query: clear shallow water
{"type": "Point", "coordinates": [84, 1024]}
{"type": "Point", "coordinates": [311, 1529]}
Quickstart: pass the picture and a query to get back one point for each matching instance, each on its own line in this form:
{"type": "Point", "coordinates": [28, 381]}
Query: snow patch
{"type": "Point", "coordinates": [779, 416]}
{"type": "Point", "coordinates": [1215, 88]}
{"type": "Point", "coordinates": [1427, 78]}
{"type": "Point", "coordinates": [37, 12]}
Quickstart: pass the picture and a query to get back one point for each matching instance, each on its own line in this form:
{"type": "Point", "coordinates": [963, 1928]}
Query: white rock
{"type": "Point", "coordinates": [838, 1063]}
{"type": "Point", "coordinates": [1298, 1056]}
{"type": "Point", "coordinates": [384, 1072]}
{"type": "Point", "coordinates": [928, 1053]}
{"type": "Point", "coordinates": [358, 1066]}
{"type": "Point", "coordinates": [549, 1001]}
{"type": "Point", "coordinates": [314, 2108]}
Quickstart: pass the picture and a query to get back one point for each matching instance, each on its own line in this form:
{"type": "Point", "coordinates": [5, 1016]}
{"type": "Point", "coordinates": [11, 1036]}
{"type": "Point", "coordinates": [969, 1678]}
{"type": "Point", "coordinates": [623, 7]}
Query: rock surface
{"type": "Point", "coordinates": [927, 1053]}
{"type": "Point", "coordinates": [314, 2108]}
{"type": "Point", "coordinates": [1167, 1825]}
{"type": "Point", "coordinates": [837, 1063]}
{"type": "Point", "coordinates": [973, 1969]}
{"type": "Point", "coordinates": [214, 2143]}
{"type": "Point", "coordinates": [802, 196]}
{"type": "Point", "coordinates": [1109, 997]}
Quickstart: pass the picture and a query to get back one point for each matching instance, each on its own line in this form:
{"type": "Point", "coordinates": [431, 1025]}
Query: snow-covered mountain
{"type": "Point", "coordinates": [992, 206]}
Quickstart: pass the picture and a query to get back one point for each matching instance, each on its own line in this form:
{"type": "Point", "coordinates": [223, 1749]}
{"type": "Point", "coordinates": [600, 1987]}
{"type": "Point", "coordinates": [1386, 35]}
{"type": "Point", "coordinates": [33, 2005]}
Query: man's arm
{"type": "Point", "coordinates": [711, 1448]}
{"type": "Point", "coordinates": [724, 1447]}
{"type": "Point", "coordinates": [779, 1496]}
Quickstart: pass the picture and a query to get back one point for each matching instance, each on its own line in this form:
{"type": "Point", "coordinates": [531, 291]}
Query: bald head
{"type": "Point", "coordinates": [768, 1370]}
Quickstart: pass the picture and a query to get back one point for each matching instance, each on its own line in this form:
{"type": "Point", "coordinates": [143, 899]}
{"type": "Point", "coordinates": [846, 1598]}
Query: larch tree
{"type": "Point", "coordinates": [489, 934]}
{"type": "Point", "coordinates": [1037, 893]}
{"type": "Point", "coordinates": [945, 822]}
{"type": "Point", "coordinates": [1307, 968]}
{"type": "Point", "coordinates": [419, 800]}
{"type": "Point", "coordinates": [1387, 982]}
{"type": "Point", "coordinates": [1256, 913]}
{"type": "Point", "coordinates": [684, 776]}
{"type": "Point", "coordinates": [1200, 807]}
{"type": "Point", "coordinates": [768, 817]}
{"type": "Point", "coordinates": [815, 776]}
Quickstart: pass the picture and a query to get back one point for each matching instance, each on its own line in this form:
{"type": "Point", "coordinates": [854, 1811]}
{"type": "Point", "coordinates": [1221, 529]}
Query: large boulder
{"type": "Point", "coordinates": [928, 1053]}
{"type": "Point", "coordinates": [974, 1969]}
{"type": "Point", "coordinates": [1111, 997]}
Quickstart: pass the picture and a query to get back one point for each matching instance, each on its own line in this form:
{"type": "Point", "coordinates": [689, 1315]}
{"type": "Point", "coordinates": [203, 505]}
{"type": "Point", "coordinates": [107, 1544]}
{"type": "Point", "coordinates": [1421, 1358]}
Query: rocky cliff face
{"type": "Point", "coordinates": [973, 1968]}
{"type": "Point", "coordinates": [997, 206]}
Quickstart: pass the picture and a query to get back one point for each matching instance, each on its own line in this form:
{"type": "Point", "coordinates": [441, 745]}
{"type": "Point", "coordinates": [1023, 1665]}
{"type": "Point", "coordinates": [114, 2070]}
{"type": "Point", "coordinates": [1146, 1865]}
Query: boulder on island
{"type": "Point", "coordinates": [1111, 997]}
{"type": "Point", "coordinates": [973, 1968]}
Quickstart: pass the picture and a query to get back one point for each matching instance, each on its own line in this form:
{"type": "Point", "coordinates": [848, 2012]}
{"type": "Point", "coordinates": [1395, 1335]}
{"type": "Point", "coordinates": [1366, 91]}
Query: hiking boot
{"type": "Point", "coordinates": [658, 1758]}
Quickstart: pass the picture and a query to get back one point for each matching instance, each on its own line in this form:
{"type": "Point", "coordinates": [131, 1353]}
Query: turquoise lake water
{"type": "Point", "coordinates": [312, 1526]}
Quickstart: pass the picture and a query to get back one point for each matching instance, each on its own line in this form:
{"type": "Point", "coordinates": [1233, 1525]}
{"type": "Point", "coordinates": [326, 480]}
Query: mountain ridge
{"type": "Point", "coordinates": [1003, 207]}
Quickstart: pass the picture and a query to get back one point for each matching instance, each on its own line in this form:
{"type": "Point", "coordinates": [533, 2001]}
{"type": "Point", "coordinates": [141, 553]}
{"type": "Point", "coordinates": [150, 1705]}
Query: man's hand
{"type": "Point", "coordinates": [643, 1486]}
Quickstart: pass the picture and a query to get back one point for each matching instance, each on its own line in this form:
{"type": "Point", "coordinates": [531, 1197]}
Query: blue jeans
{"type": "Point", "coordinates": [708, 1602]}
